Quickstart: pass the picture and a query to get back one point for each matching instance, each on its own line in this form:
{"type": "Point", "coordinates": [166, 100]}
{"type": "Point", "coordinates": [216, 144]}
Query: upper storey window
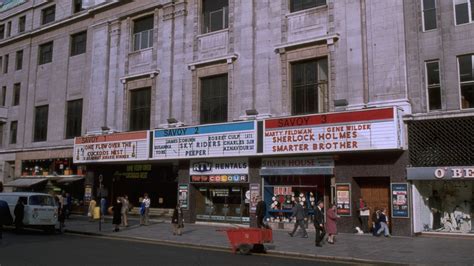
{"type": "Point", "coordinates": [466, 78]}
{"type": "Point", "coordinates": [297, 5]}
{"type": "Point", "coordinates": [48, 15]}
{"type": "Point", "coordinates": [21, 24]}
{"type": "Point", "coordinates": [429, 14]}
{"type": "Point", "coordinates": [215, 15]}
{"type": "Point", "coordinates": [77, 6]}
{"type": "Point", "coordinates": [143, 33]}
{"type": "Point", "coordinates": [464, 10]}
{"type": "Point", "coordinates": [45, 53]}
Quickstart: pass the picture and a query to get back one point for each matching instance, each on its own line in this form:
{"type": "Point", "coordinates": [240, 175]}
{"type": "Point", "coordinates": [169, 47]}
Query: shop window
{"type": "Point", "coordinates": [143, 33]}
{"type": "Point", "coordinates": [140, 109]}
{"type": "Point", "coordinates": [464, 11]}
{"type": "Point", "coordinates": [16, 94]}
{"type": "Point", "coordinates": [214, 99]}
{"type": "Point", "coordinates": [74, 119]}
{"type": "Point", "coordinates": [21, 24]}
{"type": "Point", "coordinates": [308, 86]}
{"type": "Point", "coordinates": [78, 6]}
{"type": "Point", "coordinates": [6, 62]}
{"type": "Point", "coordinates": [429, 14]}
{"type": "Point", "coordinates": [13, 131]}
{"type": "Point", "coordinates": [41, 123]}
{"type": "Point", "coordinates": [45, 53]}
{"type": "Point", "coordinates": [215, 15]}
{"type": "Point", "coordinates": [56, 167]}
{"type": "Point", "coordinates": [297, 5]}
{"type": "Point", "coordinates": [466, 78]}
{"type": "Point", "coordinates": [4, 95]}
{"type": "Point", "coordinates": [48, 15]}
{"type": "Point", "coordinates": [19, 60]}
{"type": "Point", "coordinates": [433, 85]}
{"type": "Point", "coordinates": [78, 43]}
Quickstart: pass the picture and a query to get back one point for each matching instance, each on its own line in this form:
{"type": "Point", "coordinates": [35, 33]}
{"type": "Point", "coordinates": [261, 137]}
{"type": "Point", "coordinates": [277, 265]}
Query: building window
{"type": "Point", "coordinates": [9, 29]}
{"type": "Point", "coordinates": [19, 60]}
{"type": "Point", "coordinates": [78, 43]}
{"type": "Point", "coordinates": [21, 24]}
{"type": "Point", "coordinates": [143, 33]}
{"type": "Point", "coordinates": [74, 119]}
{"type": "Point", "coordinates": [140, 109]}
{"type": "Point", "coordinates": [1, 63]}
{"type": "Point", "coordinates": [6, 61]}
{"type": "Point", "coordinates": [308, 86]}
{"type": "Point", "coordinates": [433, 85]}
{"type": "Point", "coordinates": [464, 10]}
{"type": "Point", "coordinates": [45, 53]}
{"type": "Point", "coordinates": [41, 123]}
{"type": "Point", "coordinates": [2, 31]}
{"type": "Point", "coordinates": [466, 78]}
{"type": "Point", "coordinates": [48, 15]}
{"type": "Point", "coordinates": [215, 15]}
{"type": "Point", "coordinates": [4, 95]}
{"type": "Point", "coordinates": [78, 6]}
{"type": "Point", "coordinates": [429, 14]}
{"type": "Point", "coordinates": [2, 125]}
{"type": "Point", "coordinates": [297, 5]}
{"type": "Point", "coordinates": [214, 99]}
{"type": "Point", "coordinates": [16, 94]}
{"type": "Point", "coordinates": [13, 130]}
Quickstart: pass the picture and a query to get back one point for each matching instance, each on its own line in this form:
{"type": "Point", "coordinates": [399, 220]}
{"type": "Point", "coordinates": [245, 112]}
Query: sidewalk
{"type": "Point", "coordinates": [348, 247]}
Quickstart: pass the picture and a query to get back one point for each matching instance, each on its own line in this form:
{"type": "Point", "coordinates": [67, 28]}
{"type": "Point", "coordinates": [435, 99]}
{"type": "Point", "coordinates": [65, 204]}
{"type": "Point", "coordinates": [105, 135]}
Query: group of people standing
{"type": "Point", "coordinates": [379, 219]}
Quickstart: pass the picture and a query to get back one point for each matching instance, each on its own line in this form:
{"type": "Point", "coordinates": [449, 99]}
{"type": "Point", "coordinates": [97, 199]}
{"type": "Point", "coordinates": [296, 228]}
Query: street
{"type": "Point", "coordinates": [38, 248]}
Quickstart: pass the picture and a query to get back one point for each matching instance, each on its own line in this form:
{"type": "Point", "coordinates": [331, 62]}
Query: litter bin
{"type": "Point", "coordinates": [96, 214]}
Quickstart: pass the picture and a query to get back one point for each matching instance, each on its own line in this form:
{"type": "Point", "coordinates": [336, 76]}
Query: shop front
{"type": "Point", "coordinates": [351, 155]}
{"type": "Point", "coordinates": [288, 180]}
{"type": "Point", "coordinates": [119, 163]}
{"type": "Point", "coordinates": [443, 199]}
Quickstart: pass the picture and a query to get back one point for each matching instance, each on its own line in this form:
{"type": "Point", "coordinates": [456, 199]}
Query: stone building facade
{"type": "Point", "coordinates": [168, 50]}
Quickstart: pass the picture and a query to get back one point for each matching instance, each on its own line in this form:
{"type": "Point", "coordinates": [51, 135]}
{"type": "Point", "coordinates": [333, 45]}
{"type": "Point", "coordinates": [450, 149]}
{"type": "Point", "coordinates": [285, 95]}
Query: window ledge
{"type": "Point", "coordinates": [432, 30]}
{"type": "Point", "coordinates": [212, 33]}
{"type": "Point", "coordinates": [151, 74]}
{"type": "Point", "coordinates": [140, 51]}
{"type": "Point", "coordinates": [228, 58]}
{"type": "Point", "coordinates": [330, 39]}
{"type": "Point", "coordinates": [309, 10]}
{"type": "Point", "coordinates": [467, 23]}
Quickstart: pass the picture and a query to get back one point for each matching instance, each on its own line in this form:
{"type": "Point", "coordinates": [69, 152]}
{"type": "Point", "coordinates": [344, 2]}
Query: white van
{"type": "Point", "coordinates": [40, 209]}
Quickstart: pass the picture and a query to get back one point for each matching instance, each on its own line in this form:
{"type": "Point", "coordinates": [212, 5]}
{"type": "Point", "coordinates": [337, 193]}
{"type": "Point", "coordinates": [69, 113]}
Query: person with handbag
{"type": "Point", "coordinates": [177, 220]}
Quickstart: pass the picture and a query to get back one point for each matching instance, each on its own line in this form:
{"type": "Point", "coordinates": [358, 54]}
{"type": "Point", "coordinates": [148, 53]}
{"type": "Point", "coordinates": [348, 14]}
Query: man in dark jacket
{"type": "Point", "coordinates": [19, 214]}
{"type": "Point", "coordinates": [5, 215]}
{"type": "Point", "coordinates": [319, 223]}
{"type": "Point", "coordinates": [260, 212]}
{"type": "Point", "coordinates": [299, 215]}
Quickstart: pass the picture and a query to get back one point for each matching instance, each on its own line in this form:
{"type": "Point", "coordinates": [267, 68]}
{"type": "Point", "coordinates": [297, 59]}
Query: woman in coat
{"type": "Point", "coordinates": [177, 220]}
{"type": "Point", "coordinates": [117, 215]}
{"type": "Point", "coordinates": [331, 223]}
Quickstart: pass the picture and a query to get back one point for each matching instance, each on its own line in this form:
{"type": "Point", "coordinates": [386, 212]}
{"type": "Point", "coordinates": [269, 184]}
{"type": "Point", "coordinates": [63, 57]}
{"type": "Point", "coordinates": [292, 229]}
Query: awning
{"type": "Point", "coordinates": [25, 182]}
{"type": "Point", "coordinates": [70, 179]}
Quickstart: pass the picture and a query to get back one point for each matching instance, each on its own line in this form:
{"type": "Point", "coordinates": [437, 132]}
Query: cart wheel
{"type": "Point", "coordinates": [244, 249]}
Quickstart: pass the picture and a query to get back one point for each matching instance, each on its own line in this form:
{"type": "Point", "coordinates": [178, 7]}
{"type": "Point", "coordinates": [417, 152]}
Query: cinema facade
{"type": "Point", "coordinates": [216, 171]}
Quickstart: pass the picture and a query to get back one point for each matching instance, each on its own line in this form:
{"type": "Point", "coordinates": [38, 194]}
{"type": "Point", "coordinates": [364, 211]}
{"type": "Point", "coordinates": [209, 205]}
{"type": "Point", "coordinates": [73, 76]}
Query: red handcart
{"type": "Point", "coordinates": [244, 239]}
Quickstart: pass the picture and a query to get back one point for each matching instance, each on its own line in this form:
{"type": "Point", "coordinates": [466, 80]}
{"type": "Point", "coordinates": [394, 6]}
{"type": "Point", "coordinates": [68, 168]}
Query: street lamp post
{"type": "Point", "coordinates": [100, 201]}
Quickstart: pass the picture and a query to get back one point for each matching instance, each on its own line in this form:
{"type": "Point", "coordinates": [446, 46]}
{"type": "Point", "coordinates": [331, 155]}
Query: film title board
{"type": "Point", "coordinates": [219, 140]}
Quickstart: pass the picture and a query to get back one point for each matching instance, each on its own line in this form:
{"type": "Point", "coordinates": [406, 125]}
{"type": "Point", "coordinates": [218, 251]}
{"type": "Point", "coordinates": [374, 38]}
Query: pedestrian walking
{"type": "Point", "coordinates": [68, 204]}
{"type": "Point", "coordinates": [299, 214]}
{"type": "Point", "coordinates": [5, 215]}
{"type": "Point", "coordinates": [145, 210]}
{"type": "Point", "coordinates": [90, 212]}
{"type": "Point", "coordinates": [61, 213]}
{"type": "Point", "coordinates": [331, 223]}
{"type": "Point", "coordinates": [177, 220]}
{"type": "Point", "coordinates": [19, 214]}
{"type": "Point", "coordinates": [103, 208]}
{"type": "Point", "coordinates": [383, 220]}
{"type": "Point", "coordinates": [117, 214]}
{"type": "Point", "coordinates": [364, 213]}
{"type": "Point", "coordinates": [375, 221]}
{"type": "Point", "coordinates": [125, 208]}
{"type": "Point", "coordinates": [261, 212]}
{"type": "Point", "coordinates": [319, 223]}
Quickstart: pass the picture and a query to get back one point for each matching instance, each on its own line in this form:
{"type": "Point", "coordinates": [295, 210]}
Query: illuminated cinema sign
{"type": "Point", "coordinates": [373, 129]}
